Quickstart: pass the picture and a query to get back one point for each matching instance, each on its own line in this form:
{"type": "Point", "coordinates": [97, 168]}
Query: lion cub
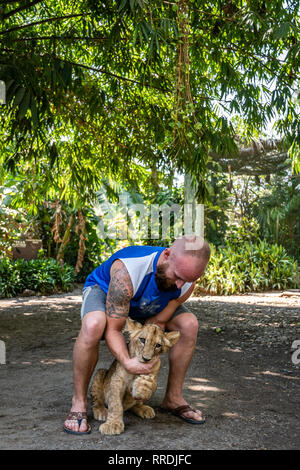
{"type": "Point", "coordinates": [114, 390]}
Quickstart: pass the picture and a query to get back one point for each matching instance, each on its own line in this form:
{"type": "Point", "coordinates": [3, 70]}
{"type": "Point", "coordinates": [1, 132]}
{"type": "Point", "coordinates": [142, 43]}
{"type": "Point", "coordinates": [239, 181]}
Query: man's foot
{"type": "Point", "coordinates": [185, 412]}
{"type": "Point", "coordinates": [76, 421]}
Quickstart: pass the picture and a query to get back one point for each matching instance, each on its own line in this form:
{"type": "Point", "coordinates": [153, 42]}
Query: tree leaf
{"type": "Point", "coordinates": [282, 31]}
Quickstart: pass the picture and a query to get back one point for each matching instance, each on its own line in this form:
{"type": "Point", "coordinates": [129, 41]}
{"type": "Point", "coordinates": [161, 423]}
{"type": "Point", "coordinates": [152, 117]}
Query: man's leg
{"type": "Point", "coordinates": [180, 357]}
{"type": "Point", "coordinates": [85, 357]}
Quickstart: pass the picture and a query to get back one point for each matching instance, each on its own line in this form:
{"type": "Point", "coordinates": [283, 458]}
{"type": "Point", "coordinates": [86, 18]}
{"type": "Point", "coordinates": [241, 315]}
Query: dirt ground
{"type": "Point", "coordinates": [242, 377]}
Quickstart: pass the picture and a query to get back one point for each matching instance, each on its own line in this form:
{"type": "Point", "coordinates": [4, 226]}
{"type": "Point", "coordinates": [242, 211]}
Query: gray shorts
{"type": "Point", "coordinates": [94, 298]}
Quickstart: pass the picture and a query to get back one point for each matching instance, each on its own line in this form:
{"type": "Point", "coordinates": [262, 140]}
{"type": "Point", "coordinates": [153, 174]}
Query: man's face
{"type": "Point", "coordinates": [162, 282]}
{"type": "Point", "coordinates": [174, 271]}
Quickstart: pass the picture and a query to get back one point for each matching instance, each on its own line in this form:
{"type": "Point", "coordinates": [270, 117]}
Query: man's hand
{"type": "Point", "coordinates": [134, 366]}
{"type": "Point", "coordinates": [152, 320]}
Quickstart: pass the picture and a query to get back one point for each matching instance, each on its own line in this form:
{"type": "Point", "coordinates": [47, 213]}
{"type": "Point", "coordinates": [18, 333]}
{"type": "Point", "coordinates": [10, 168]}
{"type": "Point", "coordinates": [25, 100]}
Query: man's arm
{"type": "Point", "coordinates": [119, 293]}
{"type": "Point", "coordinates": [166, 314]}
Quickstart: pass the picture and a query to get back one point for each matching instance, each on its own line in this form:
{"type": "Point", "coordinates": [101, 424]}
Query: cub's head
{"type": "Point", "coordinates": [149, 341]}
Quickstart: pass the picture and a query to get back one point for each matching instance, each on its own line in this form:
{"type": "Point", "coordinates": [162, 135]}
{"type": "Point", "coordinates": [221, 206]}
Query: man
{"type": "Point", "coordinates": [150, 284]}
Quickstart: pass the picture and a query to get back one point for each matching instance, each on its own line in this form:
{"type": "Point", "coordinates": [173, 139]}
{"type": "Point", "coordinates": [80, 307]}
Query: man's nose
{"type": "Point", "coordinates": [179, 284]}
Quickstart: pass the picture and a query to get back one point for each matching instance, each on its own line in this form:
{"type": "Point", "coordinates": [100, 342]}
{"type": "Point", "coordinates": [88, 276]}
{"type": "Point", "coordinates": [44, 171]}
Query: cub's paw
{"type": "Point", "coordinates": [144, 411]}
{"type": "Point", "coordinates": [112, 428]}
{"type": "Point", "coordinates": [143, 389]}
{"type": "Point", "coordinates": [100, 413]}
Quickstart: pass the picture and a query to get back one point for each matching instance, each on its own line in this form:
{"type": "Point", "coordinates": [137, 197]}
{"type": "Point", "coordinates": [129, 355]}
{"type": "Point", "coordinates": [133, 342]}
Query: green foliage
{"type": "Point", "coordinates": [40, 275]}
{"type": "Point", "coordinates": [216, 212]}
{"type": "Point", "coordinates": [248, 267]}
{"type": "Point", "coordinates": [248, 208]}
{"type": "Point", "coordinates": [93, 87]}
{"type": "Point", "coordinates": [97, 91]}
{"type": "Point", "coordinates": [278, 213]}
{"type": "Point", "coordinates": [97, 249]}
{"type": "Point", "coordinates": [245, 231]}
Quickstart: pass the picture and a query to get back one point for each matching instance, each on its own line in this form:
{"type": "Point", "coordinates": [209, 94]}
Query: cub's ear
{"type": "Point", "coordinates": [132, 326]}
{"type": "Point", "coordinates": [171, 338]}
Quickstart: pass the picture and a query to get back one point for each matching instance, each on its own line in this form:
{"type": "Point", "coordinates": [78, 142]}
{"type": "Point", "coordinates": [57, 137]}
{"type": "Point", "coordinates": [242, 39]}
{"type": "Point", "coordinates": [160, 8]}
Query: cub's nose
{"type": "Point", "coordinates": [146, 359]}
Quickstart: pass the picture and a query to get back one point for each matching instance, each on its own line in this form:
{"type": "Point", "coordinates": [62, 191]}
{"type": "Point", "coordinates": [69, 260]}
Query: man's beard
{"type": "Point", "coordinates": [162, 281]}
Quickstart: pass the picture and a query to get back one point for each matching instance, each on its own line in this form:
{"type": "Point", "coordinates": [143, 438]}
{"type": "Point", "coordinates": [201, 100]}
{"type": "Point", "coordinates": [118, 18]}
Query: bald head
{"type": "Point", "coordinates": [191, 245]}
{"type": "Point", "coordinates": [184, 261]}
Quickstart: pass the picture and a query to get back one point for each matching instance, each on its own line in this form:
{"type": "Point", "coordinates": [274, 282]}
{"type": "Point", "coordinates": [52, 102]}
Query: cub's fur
{"type": "Point", "coordinates": [115, 390]}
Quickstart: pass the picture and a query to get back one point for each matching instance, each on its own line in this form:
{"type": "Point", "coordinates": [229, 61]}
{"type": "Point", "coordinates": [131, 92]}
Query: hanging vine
{"type": "Point", "coordinates": [187, 130]}
{"type": "Point", "coordinates": [183, 96]}
{"type": "Point", "coordinates": [57, 221]}
{"type": "Point", "coordinates": [185, 121]}
{"type": "Point", "coordinates": [65, 240]}
{"type": "Point", "coordinates": [80, 227]}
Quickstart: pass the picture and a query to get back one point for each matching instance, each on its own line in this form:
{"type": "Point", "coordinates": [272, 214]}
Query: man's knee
{"type": "Point", "coordinates": [187, 324]}
{"type": "Point", "coordinates": [93, 326]}
{"type": "Point", "coordinates": [190, 324]}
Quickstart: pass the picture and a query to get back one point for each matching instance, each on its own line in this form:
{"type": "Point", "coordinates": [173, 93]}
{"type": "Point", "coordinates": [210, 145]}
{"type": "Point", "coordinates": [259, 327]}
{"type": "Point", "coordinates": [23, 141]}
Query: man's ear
{"type": "Point", "coordinates": [132, 326]}
{"type": "Point", "coordinates": [166, 253]}
{"type": "Point", "coordinates": [171, 338]}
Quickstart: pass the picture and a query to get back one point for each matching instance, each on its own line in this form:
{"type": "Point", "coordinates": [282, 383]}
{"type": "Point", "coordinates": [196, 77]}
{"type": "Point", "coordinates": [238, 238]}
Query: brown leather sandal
{"type": "Point", "coordinates": [180, 411]}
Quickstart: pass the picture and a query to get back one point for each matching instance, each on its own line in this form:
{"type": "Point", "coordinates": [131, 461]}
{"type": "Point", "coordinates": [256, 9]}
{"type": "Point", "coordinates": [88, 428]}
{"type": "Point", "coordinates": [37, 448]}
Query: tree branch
{"type": "Point", "coordinates": [59, 38]}
{"type": "Point", "coordinates": [260, 158]}
{"type": "Point", "coordinates": [17, 10]}
{"type": "Point", "coordinates": [94, 69]}
{"type": "Point", "coordinates": [234, 48]}
{"type": "Point", "coordinates": [48, 20]}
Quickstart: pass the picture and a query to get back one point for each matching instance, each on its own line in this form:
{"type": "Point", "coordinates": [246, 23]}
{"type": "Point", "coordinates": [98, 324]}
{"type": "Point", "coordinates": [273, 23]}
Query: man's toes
{"type": "Point", "coordinates": [75, 426]}
{"type": "Point", "coordinates": [194, 415]}
{"type": "Point", "coordinates": [198, 415]}
{"type": "Point", "coordinates": [72, 425]}
{"type": "Point", "coordinates": [83, 426]}
{"type": "Point", "coordinates": [68, 425]}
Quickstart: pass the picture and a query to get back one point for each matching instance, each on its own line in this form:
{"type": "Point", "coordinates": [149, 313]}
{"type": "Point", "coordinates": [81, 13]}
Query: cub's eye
{"type": "Point", "coordinates": [142, 340]}
{"type": "Point", "coordinates": [158, 345]}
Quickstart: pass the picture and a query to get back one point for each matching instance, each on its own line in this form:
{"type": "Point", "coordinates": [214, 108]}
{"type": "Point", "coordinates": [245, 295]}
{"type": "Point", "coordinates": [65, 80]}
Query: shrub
{"type": "Point", "coordinates": [39, 275]}
{"type": "Point", "coordinates": [248, 267]}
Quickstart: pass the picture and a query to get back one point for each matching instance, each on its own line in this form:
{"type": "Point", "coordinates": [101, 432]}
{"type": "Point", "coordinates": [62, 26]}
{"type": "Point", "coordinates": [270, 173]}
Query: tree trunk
{"type": "Point", "coordinates": [66, 239]}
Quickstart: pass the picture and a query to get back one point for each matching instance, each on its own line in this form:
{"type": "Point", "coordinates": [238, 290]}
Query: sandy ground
{"type": "Point", "coordinates": [242, 377]}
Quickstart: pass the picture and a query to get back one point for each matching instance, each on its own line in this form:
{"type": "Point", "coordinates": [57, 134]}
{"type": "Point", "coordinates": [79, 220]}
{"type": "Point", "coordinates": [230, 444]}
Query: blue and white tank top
{"type": "Point", "coordinates": [140, 262]}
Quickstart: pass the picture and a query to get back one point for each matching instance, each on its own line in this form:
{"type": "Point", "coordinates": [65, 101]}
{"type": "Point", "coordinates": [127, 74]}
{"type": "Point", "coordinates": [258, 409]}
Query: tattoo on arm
{"type": "Point", "coordinates": [119, 292]}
